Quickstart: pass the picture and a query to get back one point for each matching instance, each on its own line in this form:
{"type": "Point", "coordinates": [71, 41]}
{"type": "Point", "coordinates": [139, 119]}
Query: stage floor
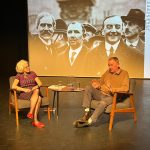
{"type": "Point", "coordinates": [59, 134]}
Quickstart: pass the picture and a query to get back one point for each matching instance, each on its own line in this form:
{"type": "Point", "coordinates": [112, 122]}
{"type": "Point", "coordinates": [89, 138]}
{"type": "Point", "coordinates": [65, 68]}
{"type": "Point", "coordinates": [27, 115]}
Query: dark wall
{"type": "Point", "coordinates": [14, 39]}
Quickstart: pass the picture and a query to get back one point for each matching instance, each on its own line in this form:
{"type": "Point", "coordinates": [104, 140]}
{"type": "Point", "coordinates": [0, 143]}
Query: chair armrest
{"type": "Point", "coordinates": [121, 96]}
{"type": "Point", "coordinates": [127, 93]}
{"type": "Point", "coordinates": [46, 86]}
{"type": "Point", "coordinates": [45, 90]}
{"type": "Point", "coordinates": [12, 90]}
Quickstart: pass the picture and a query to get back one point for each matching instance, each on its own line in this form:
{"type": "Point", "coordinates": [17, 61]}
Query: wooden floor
{"type": "Point", "coordinates": [59, 134]}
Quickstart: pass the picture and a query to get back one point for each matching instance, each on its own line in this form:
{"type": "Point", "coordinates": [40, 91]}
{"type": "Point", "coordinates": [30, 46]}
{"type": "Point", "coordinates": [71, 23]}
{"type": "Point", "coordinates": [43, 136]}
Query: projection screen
{"type": "Point", "coordinates": [76, 37]}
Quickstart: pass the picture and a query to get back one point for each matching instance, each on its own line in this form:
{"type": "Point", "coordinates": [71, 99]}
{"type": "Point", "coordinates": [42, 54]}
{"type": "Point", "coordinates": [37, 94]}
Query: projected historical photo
{"type": "Point", "coordinates": [76, 38]}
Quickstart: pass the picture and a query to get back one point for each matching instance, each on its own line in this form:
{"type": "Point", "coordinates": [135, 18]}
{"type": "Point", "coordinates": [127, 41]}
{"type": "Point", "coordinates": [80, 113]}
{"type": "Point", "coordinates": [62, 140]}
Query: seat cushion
{"type": "Point", "coordinates": [120, 105]}
{"type": "Point", "coordinates": [26, 103]}
{"type": "Point", "coordinates": [124, 104]}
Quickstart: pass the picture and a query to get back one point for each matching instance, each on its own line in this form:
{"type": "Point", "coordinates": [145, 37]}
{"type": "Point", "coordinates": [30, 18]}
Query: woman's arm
{"type": "Point", "coordinates": [39, 83]}
{"type": "Point", "coordinates": [16, 87]}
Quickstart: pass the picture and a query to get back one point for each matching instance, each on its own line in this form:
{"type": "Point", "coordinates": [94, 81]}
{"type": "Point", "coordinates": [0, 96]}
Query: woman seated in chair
{"type": "Point", "coordinates": [28, 84]}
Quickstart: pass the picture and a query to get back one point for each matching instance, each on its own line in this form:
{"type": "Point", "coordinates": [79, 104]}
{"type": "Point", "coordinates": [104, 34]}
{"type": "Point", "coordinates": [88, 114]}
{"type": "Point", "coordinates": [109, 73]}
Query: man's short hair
{"type": "Point", "coordinates": [114, 58]}
{"type": "Point", "coordinates": [103, 24]}
{"type": "Point", "coordinates": [83, 29]}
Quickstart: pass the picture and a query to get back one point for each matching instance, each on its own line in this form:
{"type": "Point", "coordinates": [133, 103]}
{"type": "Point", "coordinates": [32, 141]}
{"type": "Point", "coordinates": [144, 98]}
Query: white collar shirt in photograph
{"type": "Point", "coordinates": [109, 46]}
{"type": "Point", "coordinates": [71, 51]}
{"type": "Point", "coordinates": [134, 44]}
{"type": "Point", "coordinates": [47, 44]}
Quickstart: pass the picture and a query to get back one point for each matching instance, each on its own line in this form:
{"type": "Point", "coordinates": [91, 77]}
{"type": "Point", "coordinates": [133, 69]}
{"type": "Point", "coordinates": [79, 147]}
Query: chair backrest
{"type": "Point", "coordinates": [132, 85]}
{"type": "Point", "coordinates": [11, 80]}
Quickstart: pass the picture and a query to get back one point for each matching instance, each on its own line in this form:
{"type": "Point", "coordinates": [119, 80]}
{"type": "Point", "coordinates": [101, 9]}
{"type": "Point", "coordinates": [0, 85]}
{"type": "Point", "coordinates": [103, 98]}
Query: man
{"type": "Point", "coordinates": [113, 80]}
{"type": "Point", "coordinates": [134, 25]}
{"type": "Point", "coordinates": [91, 38]}
{"type": "Point", "coordinates": [60, 35]}
{"type": "Point", "coordinates": [41, 49]}
{"type": "Point", "coordinates": [72, 60]}
{"type": "Point", "coordinates": [113, 45]}
{"type": "Point", "coordinates": [90, 32]}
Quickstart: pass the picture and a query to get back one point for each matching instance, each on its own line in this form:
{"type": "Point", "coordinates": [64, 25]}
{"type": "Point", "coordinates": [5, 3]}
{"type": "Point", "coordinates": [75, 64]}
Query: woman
{"type": "Point", "coordinates": [28, 84]}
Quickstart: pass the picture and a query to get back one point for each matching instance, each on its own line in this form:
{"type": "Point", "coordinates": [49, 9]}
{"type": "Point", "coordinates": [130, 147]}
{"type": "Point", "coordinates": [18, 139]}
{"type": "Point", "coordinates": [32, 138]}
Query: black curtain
{"type": "Point", "coordinates": [14, 35]}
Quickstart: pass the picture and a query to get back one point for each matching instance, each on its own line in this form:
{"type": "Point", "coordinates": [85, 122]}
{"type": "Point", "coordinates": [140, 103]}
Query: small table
{"type": "Point", "coordinates": [57, 89]}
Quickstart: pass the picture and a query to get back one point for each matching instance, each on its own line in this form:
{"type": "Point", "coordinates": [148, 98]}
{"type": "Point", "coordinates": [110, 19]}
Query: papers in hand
{"type": "Point", "coordinates": [56, 87]}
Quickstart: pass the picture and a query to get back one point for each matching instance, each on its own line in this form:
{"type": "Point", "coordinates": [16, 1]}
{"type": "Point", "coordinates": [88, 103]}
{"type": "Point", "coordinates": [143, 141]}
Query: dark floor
{"type": "Point", "coordinates": [60, 134]}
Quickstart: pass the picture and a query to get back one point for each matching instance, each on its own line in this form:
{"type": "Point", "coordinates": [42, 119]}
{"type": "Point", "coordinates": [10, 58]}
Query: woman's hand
{"type": "Point", "coordinates": [27, 90]}
{"type": "Point", "coordinates": [35, 87]}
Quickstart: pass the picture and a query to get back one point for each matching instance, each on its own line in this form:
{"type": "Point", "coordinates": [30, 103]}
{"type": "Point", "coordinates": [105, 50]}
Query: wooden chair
{"type": "Point", "coordinates": [125, 106]}
{"type": "Point", "coordinates": [19, 104]}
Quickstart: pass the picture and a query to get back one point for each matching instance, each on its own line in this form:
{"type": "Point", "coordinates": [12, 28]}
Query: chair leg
{"type": "Point", "coordinates": [9, 108]}
{"type": "Point", "coordinates": [133, 106]}
{"type": "Point", "coordinates": [9, 105]}
{"type": "Point", "coordinates": [17, 118]}
{"type": "Point", "coordinates": [49, 113]}
{"type": "Point", "coordinates": [111, 120]}
{"type": "Point", "coordinates": [135, 118]}
{"type": "Point", "coordinates": [16, 108]}
{"type": "Point", "coordinates": [112, 114]}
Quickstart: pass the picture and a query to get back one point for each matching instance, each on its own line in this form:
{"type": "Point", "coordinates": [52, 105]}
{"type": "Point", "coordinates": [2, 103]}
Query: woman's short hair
{"type": "Point", "coordinates": [21, 65]}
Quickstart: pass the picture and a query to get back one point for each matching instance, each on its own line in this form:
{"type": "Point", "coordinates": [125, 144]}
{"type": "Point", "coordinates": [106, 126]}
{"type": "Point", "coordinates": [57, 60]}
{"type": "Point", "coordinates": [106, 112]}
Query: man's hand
{"type": "Point", "coordinates": [96, 84]}
{"type": "Point", "coordinates": [107, 88]}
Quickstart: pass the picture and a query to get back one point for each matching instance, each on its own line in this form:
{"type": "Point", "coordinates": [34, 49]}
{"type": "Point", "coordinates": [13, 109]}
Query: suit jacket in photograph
{"type": "Point", "coordinates": [140, 46]}
{"type": "Point", "coordinates": [65, 68]}
{"type": "Point", "coordinates": [42, 57]}
{"type": "Point", "coordinates": [130, 60]}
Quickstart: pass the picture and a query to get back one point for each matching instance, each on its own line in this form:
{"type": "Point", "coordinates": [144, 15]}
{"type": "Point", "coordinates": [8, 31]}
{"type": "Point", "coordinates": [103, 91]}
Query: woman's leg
{"type": "Point", "coordinates": [34, 109]}
{"type": "Point", "coordinates": [37, 110]}
{"type": "Point", "coordinates": [34, 100]}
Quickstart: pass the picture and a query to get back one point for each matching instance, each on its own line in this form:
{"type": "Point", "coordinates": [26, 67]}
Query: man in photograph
{"type": "Point", "coordinates": [72, 60]}
{"type": "Point", "coordinates": [42, 50]}
{"type": "Point", "coordinates": [134, 25]}
{"type": "Point", "coordinates": [113, 45]}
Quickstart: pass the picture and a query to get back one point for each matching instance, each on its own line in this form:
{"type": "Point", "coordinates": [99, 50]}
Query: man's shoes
{"type": "Point", "coordinates": [81, 124]}
{"type": "Point", "coordinates": [85, 117]}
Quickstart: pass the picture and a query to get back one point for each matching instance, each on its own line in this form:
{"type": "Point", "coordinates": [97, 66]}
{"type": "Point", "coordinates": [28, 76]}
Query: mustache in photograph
{"type": "Point", "coordinates": [46, 32]}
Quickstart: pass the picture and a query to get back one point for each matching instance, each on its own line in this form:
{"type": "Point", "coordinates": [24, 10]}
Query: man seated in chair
{"type": "Point", "coordinates": [113, 80]}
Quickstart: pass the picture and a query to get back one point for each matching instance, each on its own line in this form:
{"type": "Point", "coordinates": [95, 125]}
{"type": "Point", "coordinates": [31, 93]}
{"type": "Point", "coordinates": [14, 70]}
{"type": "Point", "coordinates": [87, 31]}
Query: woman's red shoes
{"type": "Point", "coordinates": [38, 125]}
{"type": "Point", "coordinates": [30, 116]}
